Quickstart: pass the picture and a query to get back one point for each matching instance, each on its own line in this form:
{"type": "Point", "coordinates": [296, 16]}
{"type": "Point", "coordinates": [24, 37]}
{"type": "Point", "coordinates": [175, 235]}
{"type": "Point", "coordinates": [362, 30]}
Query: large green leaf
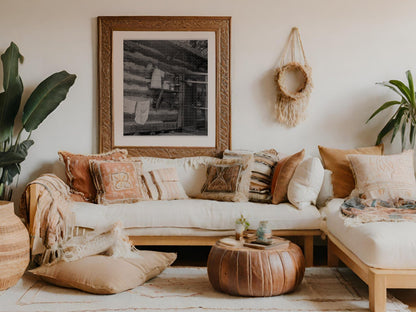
{"type": "Point", "coordinates": [45, 98]}
{"type": "Point", "coordinates": [398, 120]}
{"type": "Point", "coordinates": [9, 172]}
{"type": "Point", "coordinates": [403, 134]}
{"type": "Point", "coordinates": [10, 60]}
{"type": "Point", "coordinates": [383, 107]}
{"type": "Point", "coordinates": [386, 129]}
{"type": "Point", "coordinates": [13, 89]}
{"type": "Point", "coordinates": [16, 154]}
{"type": "Point", "coordinates": [412, 135]}
{"type": "Point", "coordinates": [10, 160]}
{"type": "Point", "coordinates": [411, 88]}
{"type": "Point", "coordinates": [403, 89]}
{"type": "Point", "coordinates": [393, 88]}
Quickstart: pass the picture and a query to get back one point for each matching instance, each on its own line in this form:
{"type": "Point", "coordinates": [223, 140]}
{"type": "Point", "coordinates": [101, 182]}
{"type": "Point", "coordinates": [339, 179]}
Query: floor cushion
{"type": "Point", "coordinates": [106, 275]}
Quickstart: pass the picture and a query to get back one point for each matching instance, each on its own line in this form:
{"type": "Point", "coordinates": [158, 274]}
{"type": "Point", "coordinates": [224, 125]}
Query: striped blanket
{"type": "Point", "coordinates": [375, 210]}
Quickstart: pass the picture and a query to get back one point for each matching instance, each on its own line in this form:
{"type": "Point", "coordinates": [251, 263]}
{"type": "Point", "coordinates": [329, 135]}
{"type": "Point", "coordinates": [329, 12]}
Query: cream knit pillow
{"type": "Point", "coordinates": [384, 177]}
{"type": "Point", "coordinates": [306, 183]}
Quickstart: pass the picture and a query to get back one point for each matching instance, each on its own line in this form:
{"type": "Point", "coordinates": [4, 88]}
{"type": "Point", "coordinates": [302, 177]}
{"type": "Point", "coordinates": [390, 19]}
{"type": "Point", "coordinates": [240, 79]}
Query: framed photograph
{"type": "Point", "coordinates": [164, 85]}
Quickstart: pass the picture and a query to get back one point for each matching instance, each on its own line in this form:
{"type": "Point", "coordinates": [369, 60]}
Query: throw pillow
{"type": "Point", "coordinates": [283, 172]}
{"type": "Point", "coordinates": [106, 275]}
{"type": "Point", "coordinates": [336, 161]}
{"type": "Point", "coordinates": [327, 192]}
{"type": "Point", "coordinates": [261, 173]}
{"type": "Point", "coordinates": [77, 169]}
{"type": "Point", "coordinates": [384, 177]}
{"type": "Point", "coordinates": [228, 179]}
{"type": "Point", "coordinates": [164, 184]}
{"type": "Point", "coordinates": [306, 183]}
{"type": "Point", "coordinates": [118, 181]}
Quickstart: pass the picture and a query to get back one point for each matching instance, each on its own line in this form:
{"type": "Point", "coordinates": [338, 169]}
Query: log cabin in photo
{"type": "Point", "coordinates": [165, 87]}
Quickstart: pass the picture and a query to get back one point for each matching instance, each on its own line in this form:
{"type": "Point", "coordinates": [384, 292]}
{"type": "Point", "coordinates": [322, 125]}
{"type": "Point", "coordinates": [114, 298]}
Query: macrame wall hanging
{"type": "Point", "coordinates": [293, 82]}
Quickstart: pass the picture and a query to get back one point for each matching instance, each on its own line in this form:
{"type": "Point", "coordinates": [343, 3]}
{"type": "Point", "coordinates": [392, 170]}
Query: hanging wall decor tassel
{"type": "Point", "coordinates": [293, 82]}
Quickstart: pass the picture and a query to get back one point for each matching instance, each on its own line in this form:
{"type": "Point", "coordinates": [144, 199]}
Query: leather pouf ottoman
{"type": "Point", "coordinates": [245, 271]}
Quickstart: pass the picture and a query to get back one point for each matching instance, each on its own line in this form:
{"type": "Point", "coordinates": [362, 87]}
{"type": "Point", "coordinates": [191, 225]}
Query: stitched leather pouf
{"type": "Point", "coordinates": [245, 271]}
{"type": "Point", "coordinates": [14, 246]}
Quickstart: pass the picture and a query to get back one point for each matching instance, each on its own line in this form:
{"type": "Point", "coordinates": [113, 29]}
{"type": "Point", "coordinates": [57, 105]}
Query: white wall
{"type": "Point", "coordinates": [350, 45]}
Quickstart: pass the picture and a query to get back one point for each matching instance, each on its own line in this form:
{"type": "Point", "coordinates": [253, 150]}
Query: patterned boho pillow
{"type": "Point", "coordinates": [118, 181]}
{"type": "Point", "coordinates": [336, 161]}
{"type": "Point", "coordinates": [283, 173]}
{"type": "Point", "coordinates": [384, 177]}
{"type": "Point", "coordinates": [228, 179]}
{"type": "Point", "coordinates": [77, 169]}
{"type": "Point", "coordinates": [261, 173]}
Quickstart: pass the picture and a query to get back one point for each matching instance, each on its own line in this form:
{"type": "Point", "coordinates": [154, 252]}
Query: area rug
{"type": "Point", "coordinates": [188, 289]}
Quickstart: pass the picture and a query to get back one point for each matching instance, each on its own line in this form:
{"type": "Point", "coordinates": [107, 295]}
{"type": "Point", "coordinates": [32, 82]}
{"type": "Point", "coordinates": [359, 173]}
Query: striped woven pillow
{"type": "Point", "coordinates": [164, 184]}
{"type": "Point", "coordinates": [261, 172]}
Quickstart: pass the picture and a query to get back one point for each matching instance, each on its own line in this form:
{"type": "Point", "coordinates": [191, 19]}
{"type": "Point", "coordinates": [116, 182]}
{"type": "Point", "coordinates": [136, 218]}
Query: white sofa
{"type": "Point", "coordinates": [194, 221]}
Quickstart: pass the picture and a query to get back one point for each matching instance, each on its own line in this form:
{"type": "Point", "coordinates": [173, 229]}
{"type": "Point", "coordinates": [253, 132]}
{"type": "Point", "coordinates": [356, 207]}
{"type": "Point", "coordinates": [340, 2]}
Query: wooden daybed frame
{"type": "Point", "coordinates": [378, 280]}
{"type": "Point", "coordinates": [305, 236]}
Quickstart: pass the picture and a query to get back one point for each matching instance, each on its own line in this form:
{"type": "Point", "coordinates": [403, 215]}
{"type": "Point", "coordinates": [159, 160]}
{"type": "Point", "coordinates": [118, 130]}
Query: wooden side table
{"type": "Point", "coordinates": [245, 271]}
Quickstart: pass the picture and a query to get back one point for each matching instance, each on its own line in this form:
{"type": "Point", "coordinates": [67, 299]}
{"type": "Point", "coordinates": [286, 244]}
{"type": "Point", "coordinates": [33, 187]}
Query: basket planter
{"type": "Point", "coordinates": [14, 246]}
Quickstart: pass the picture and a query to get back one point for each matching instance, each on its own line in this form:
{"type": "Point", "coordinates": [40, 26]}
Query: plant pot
{"type": "Point", "coordinates": [14, 246]}
{"type": "Point", "coordinates": [239, 230]}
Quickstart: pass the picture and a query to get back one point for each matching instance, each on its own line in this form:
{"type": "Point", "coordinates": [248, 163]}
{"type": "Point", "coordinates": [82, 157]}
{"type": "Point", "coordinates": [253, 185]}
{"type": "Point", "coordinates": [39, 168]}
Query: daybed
{"type": "Point", "coordinates": [190, 221]}
{"type": "Point", "coordinates": [382, 254]}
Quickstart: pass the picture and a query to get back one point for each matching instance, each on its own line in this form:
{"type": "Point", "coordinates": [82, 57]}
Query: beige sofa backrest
{"type": "Point", "coordinates": [191, 170]}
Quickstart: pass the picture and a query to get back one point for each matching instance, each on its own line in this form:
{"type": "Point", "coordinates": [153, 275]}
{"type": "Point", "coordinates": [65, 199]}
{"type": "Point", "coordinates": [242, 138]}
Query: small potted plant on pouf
{"type": "Point", "coordinates": [241, 225]}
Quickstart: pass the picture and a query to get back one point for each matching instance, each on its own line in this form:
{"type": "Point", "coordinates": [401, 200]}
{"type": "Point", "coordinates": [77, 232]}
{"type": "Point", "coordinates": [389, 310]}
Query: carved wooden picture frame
{"type": "Point", "coordinates": [164, 85]}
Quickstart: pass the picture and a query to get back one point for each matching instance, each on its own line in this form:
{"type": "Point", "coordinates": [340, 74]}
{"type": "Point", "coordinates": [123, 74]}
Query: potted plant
{"type": "Point", "coordinates": [41, 102]}
{"type": "Point", "coordinates": [404, 117]}
{"type": "Point", "coordinates": [241, 225]}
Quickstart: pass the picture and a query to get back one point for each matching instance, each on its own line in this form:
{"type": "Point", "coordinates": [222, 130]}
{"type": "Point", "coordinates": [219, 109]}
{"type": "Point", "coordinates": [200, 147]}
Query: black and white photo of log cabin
{"type": "Point", "coordinates": [165, 87]}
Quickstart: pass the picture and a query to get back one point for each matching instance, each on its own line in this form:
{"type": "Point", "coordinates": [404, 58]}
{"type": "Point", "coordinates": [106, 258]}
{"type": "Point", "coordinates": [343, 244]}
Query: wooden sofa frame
{"type": "Point", "coordinates": [306, 236]}
{"type": "Point", "coordinates": [378, 280]}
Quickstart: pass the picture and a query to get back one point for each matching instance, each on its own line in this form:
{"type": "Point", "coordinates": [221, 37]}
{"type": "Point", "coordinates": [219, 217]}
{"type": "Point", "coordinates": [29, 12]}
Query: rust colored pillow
{"type": "Point", "coordinates": [77, 169]}
{"type": "Point", "coordinates": [118, 181]}
{"type": "Point", "coordinates": [336, 161]}
{"type": "Point", "coordinates": [283, 172]}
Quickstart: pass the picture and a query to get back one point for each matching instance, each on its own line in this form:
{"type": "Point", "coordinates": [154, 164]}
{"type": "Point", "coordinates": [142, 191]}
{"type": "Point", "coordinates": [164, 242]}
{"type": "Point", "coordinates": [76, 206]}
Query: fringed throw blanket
{"type": "Point", "coordinates": [51, 227]}
{"type": "Point", "coordinates": [359, 210]}
{"type": "Point", "coordinates": [50, 221]}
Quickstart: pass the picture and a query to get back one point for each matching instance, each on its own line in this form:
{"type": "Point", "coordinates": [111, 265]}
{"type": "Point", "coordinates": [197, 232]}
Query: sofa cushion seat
{"type": "Point", "coordinates": [195, 214]}
{"type": "Point", "coordinates": [384, 245]}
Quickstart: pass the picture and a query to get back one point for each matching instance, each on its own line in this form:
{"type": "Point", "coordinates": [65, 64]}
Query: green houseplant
{"type": "Point", "coordinates": [404, 117]}
{"type": "Point", "coordinates": [41, 102]}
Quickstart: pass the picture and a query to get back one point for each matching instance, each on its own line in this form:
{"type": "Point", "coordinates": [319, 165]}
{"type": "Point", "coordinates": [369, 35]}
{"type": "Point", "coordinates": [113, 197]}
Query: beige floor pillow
{"type": "Point", "coordinates": [106, 275]}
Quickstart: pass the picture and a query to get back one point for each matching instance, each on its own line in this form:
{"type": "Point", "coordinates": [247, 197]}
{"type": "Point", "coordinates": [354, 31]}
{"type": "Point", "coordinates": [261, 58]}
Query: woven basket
{"type": "Point", "coordinates": [14, 246]}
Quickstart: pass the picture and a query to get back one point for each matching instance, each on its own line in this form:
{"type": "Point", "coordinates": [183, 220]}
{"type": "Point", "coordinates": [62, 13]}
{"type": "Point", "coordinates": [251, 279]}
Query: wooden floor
{"type": "Point", "coordinates": [198, 255]}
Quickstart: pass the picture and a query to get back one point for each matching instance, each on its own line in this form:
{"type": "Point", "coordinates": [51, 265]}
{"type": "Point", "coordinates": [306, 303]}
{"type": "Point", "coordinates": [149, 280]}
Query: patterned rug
{"type": "Point", "coordinates": [188, 289]}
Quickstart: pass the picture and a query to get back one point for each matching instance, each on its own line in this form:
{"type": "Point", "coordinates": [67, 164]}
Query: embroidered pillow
{"type": "Point", "coordinates": [336, 161]}
{"type": "Point", "coordinates": [283, 172]}
{"type": "Point", "coordinates": [261, 173]}
{"type": "Point", "coordinates": [118, 181]}
{"type": "Point", "coordinates": [164, 184]}
{"type": "Point", "coordinates": [77, 169]}
{"type": "Point", "coordinates": [384, 177]}
{"type": "Point", "coordinates": [228, 179]}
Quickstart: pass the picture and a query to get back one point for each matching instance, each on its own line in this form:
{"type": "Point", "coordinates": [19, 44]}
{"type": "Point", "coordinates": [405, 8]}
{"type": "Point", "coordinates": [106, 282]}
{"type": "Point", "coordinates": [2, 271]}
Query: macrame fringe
{"type": "Point", "coordinates": [290, 107]}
